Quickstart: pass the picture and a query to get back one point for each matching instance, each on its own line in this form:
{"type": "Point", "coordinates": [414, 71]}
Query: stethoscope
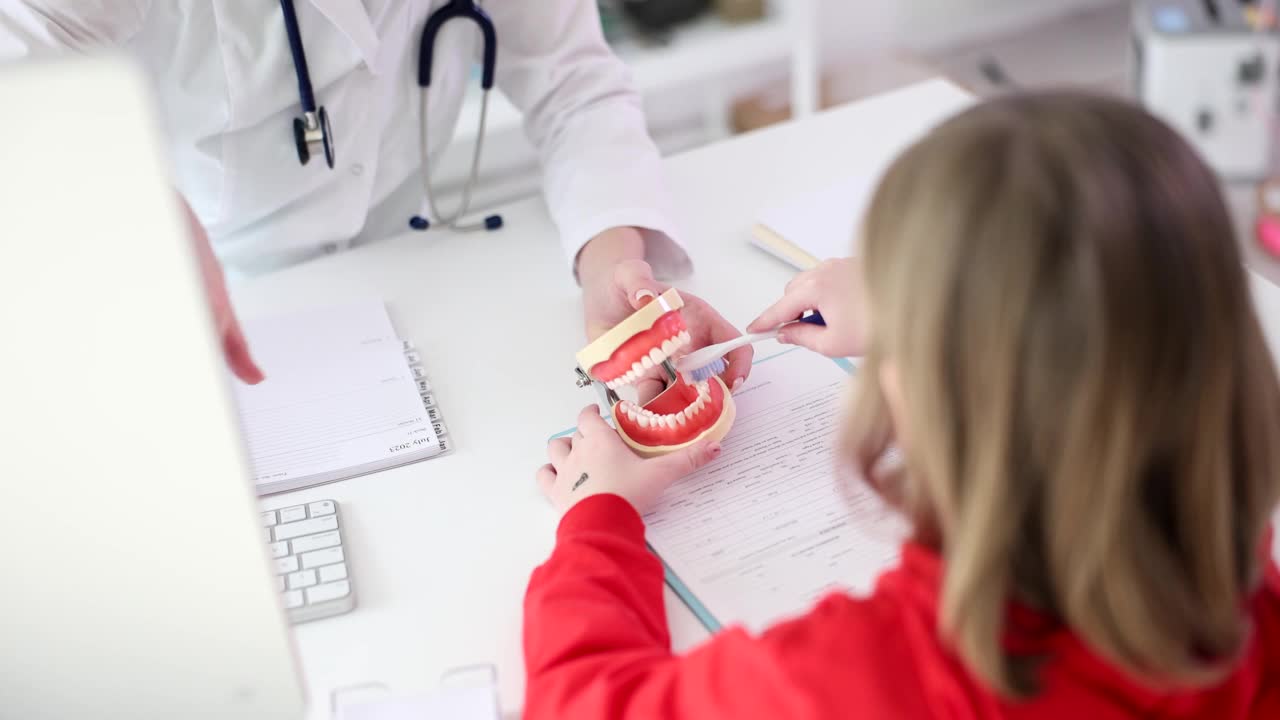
{"type": "Point", "coordinates": [312, 132]}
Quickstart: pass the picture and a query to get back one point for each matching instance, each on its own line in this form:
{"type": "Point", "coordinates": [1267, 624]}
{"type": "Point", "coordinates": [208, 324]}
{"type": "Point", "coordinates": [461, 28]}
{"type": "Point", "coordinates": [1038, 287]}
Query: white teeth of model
{"type": "Point", "coordinates": [632, 415]}
{"type": "Point", "coordinates": [668, 347]}
{"type": "Point", "coordinates": [631, 376]}
{"type": "Point", "coordinates": [643, 421]}
{"type": "Point", "coordinates": [684, 337]}
{"type": "Point", "coordinates": [656, 356]}
{"type": "Point", "coordinates": [637, 368]}
{"type": "Point", "coordinates": [646, 362]}
{"type": "Point", "coordinates": [681, 418]}
{"type": "Point", "coordinates": [670, 420]}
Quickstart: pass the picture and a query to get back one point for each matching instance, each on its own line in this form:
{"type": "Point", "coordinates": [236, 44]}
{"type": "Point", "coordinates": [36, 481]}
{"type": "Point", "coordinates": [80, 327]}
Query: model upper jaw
{"type": "Point", "coordinates": [680, 415]}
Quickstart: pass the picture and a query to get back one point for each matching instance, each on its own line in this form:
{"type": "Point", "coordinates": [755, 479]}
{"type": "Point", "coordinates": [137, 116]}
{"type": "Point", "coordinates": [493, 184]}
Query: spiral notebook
{"type": "Point", "coordinates": [344, 395]}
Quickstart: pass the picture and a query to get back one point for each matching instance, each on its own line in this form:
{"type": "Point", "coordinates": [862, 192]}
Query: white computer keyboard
{"type": "Point", "coordinates": [311, 565]}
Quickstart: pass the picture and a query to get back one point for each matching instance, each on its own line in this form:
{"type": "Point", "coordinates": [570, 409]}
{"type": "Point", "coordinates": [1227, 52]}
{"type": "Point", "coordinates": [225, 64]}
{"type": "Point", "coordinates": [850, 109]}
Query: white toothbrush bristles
{"type": "Point", "coordinates": [715, 367]}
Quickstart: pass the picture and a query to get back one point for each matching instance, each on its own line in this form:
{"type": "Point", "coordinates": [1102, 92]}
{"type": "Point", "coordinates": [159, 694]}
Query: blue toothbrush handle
{"type": "Point", "coordinates": [813, 318]}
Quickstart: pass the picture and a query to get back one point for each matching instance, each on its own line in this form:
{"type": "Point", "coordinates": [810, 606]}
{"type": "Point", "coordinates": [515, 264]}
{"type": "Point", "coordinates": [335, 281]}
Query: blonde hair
{"type": "Point", "coordinates": [1095, 418]}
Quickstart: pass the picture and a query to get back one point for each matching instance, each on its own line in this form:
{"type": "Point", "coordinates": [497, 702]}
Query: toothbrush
{"type": "Point", "coordinates": [702, 364]}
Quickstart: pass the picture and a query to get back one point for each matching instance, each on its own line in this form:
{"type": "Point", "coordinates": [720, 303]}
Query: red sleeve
{"type": "Point", "coordinates": [596, 642]}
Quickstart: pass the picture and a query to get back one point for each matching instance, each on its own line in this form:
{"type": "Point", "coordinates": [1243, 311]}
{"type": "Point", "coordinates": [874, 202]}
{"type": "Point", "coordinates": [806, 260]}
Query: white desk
{"type": "Point", "coordinates": [440, 551]}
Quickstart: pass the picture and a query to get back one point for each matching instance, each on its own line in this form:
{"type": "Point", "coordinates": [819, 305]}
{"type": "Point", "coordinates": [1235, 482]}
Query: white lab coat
{"type": "Point", "coordinates": [228, 95]}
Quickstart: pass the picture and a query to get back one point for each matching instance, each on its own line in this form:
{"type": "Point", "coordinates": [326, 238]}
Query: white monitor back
{"type": "Point", "coordinates": [134, 581]}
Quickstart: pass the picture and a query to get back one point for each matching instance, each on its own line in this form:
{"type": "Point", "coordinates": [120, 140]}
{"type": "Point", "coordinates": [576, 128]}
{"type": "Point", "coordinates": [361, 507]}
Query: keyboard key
{"type": "Point", "coordinates": [266, 534]}
{"type": "Point", "coordinates": [302, 579]}
{"type": "Point", "coordinates": [307, 543]}
{"type": "Point", "coordinates": [286, 564]}
{"type": "Point", "coordinates": [328, 591]}
{"type": "Point", "coordinates": [330, 573]}
{"type": "Point", "coordinates": [306, 527]}
{"type": "Point", "coordinates": [328, 556]}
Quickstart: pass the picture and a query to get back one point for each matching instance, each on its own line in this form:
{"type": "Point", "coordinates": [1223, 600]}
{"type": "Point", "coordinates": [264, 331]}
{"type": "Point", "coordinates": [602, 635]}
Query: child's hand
{"type": "Point", "coordinates": [596, 461]}
{"type": "Point", "coordinates": [834, 289]}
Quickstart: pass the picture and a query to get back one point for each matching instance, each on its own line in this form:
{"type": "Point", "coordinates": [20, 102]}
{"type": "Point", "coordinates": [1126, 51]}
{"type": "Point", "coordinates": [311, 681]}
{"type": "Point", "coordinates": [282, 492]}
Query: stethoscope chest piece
{"type": "Point", "coordinates": [312, 132]}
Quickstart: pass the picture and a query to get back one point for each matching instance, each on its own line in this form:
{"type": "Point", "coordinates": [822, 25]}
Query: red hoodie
{"type": "Point", "coordinates": [596, 646]}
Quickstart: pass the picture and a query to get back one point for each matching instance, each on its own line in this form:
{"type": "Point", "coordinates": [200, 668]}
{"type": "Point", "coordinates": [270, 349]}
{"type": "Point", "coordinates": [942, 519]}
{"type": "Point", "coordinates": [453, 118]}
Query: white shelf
{"type": "Point", "coordinates": [699, 53]}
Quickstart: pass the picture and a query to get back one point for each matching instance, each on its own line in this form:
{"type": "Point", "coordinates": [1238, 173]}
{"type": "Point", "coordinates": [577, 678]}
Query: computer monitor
{"type": "Point", "coordinates": [134, 581]}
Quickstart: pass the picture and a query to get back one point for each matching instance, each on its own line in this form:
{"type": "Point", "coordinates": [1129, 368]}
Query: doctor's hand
{"type": "Point", "coordinates": [616, 283]}
{"type": "Point", "coordinates": [225, 323]}
{"type": "Point", "coordinates": [834, 289]}
{"type": "Point", "coordinates": [596, 461]}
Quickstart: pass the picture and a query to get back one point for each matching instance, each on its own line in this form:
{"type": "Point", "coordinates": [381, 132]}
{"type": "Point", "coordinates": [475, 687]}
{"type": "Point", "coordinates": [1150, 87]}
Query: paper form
{"type": "Point", "coordinates": [339, 398]}
{"type": "Point", "coordinates": [765, 531]}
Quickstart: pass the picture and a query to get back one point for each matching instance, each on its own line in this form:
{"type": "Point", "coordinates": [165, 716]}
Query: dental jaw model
{"type": "Point", "coordinates": [682, 414]}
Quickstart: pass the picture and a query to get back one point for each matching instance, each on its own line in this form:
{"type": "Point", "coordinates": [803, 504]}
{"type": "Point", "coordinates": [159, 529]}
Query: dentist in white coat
{"type": "Point", "coordinates": [228, 94]}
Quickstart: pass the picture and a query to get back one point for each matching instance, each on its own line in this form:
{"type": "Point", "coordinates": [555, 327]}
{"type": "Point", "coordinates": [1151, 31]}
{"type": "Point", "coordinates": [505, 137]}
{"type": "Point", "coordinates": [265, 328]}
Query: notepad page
{"type": "Point", "coordinates": [338, 395]}
{"type": "Point", "coordinates": [825, 223]}
{"type": "Point", "coordinates": [763, 532]}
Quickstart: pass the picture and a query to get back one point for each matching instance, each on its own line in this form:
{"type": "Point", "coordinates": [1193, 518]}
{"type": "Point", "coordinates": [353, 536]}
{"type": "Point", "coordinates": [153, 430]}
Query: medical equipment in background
{"type": "Point", "coordinates": [1266, 226]}
{"type": "Point", "coordinates": [1209, 69]}
{"type": "Point", "coordinates": [660, 16]}
{"type": "Point", "coordinates": [311, 130]}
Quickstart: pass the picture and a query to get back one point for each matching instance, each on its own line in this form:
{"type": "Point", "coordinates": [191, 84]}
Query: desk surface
{"type": "Point", "coordinates": [440, 551]}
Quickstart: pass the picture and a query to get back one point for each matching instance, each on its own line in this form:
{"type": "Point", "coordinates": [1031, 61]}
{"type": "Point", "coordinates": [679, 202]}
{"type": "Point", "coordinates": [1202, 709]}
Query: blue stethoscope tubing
{"type": "Point", "coordinates": [312, 130]}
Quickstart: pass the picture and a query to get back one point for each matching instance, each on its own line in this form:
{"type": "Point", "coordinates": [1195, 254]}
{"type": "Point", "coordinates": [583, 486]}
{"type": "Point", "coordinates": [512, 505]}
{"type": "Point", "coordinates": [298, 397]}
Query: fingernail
{"type": "Point", "coordinates": [784, 339]}
{"type": "Point", "coordinates": [644, 293]}
{"type": "Point", "coordinates": [737, 385]}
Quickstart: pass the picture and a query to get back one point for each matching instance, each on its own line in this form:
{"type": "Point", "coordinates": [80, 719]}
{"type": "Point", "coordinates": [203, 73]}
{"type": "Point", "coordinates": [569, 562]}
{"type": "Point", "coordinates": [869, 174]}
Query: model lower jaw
{"type": "Point", "coordinates": [659, 428]}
